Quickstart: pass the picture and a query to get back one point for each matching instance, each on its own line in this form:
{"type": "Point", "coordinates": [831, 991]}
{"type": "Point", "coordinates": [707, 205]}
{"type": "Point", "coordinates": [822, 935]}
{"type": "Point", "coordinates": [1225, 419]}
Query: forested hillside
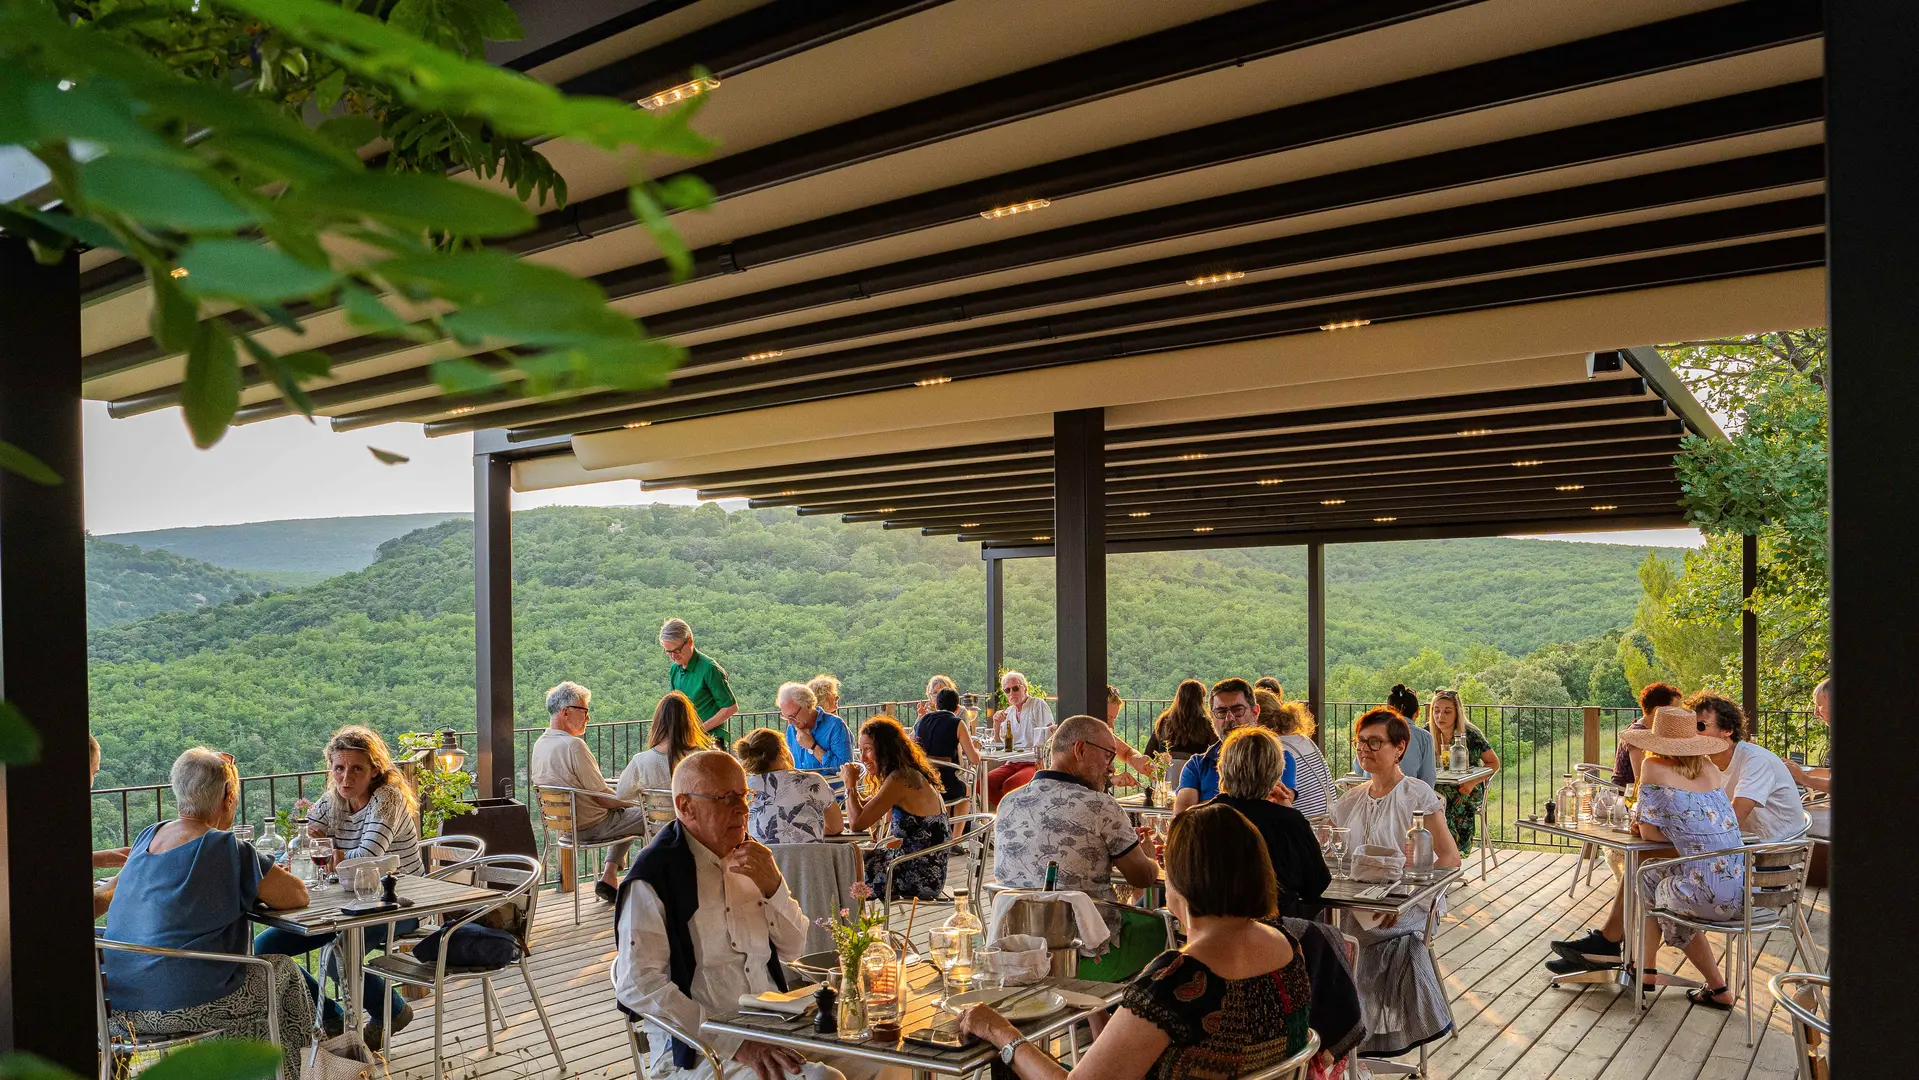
{"type": "Point", "coordinates": [125, 583]}
{"type": "Point", "coordinates": [774, 597]}
{"type": "Point", "coordinates": [303, 550]}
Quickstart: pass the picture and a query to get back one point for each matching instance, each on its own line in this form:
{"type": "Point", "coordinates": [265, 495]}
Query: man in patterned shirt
{"type": "Point", "coordinates": [1065, 817]}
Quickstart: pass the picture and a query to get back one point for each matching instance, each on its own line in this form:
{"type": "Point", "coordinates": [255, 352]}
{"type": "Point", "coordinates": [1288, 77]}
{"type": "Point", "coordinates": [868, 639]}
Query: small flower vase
{"type": "Point", "coordinates": [852, 1007]}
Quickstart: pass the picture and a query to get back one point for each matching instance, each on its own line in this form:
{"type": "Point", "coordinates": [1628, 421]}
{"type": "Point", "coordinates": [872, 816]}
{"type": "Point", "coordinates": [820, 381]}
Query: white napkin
{"type": "Point", "coordinates": [793, 1002]}
{"type": "Point", "coordinates": [1092, 926]}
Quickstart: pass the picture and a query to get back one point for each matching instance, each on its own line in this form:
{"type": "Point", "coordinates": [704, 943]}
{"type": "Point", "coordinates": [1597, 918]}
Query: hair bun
{"type": "Point", "coordinates": [1399, 688]}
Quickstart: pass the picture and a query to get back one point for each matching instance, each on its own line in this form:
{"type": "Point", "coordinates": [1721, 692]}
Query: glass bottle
{"type": "Point", "coordinates": [881, 978]}
{"type": "Point", "coordinates": [1584, 789]}
{"type": "Point", "coordinates": [971, 928]}
{"type": "Point", "coordinates": [1457, 758]}
{"type": "Point", "coordinates": [1568, 800]}
{"type": "Point", "coordinates": [268, 841]}
{"type": "Point", "coordinates": [1052, 876]}
{"type": "Point", "coordinates": [1419, 853]}
{"type": "Point", "coordinates": [300, 856]}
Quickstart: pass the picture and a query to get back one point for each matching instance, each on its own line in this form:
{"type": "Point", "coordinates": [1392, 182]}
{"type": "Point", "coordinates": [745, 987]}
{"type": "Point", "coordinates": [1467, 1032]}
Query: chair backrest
{"type": "Point", "coordinates": [134, 1043]}
{"type": "Point", "coordinates": [658, 803]}
{"type": "Point", "coordinates": [1803, 995]}
{"type": "Point", "coordinates": [557, 808]}
{"type": "Point", "coordinates": [515, 877]}
{"type": "Point", "coordinates": [1778, 873]}
{"type": "Point", "coordinates": [440, 852]}
{"type": "Point", "coordinates": [1295, 1067]}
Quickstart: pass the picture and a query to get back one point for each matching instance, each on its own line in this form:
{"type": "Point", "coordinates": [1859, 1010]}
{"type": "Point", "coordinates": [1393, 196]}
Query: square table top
{"type": "Point", "coordinates": [1344, 893]}
{"type": "Point", "coordinates": [922, 1011]}
{"type": "Point", "coordinates": [1442, 778]}
{"type": "Point", "coordinates": [322, 914]}
{"type": "Point", "coordinates": [1587, 832]}
{"type": "Point", "coordinates": [1136, 804]}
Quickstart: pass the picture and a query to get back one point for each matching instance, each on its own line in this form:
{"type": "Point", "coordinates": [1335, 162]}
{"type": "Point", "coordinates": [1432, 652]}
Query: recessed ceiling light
{"type": "Point", "coordinates": [1139, 513]}
{"type": "Point", "coordinates": [1270, 481]}
{"type": "Point", "coordinates": [937, 380]}
{"type": "Point", "coordinates": [1202, 528]}
{"type": "Point", "coordinates": [1016, 208]}
{"type": "Point", "coordinates": [1570, 487]}
{"type": "Point", "coordinates": [767, 355]}
{"type": "Point", "coordinates": [673, 95]}
{"type": "Point", "coordinates": [1191, 457]}
{"type": "Point", "coordinates": [1220, 278]}
{"type": "Point", "coordinates": [1527, 463]}
{"type": "Point", "coordinates": [1042, 538]}
{"type": "Point", "coordinates": [1474, 431]}
{"type": "Point", "coordinates": [461, 411]}
{"type": "Point", "coordinates": [1382, 520]}
{"type": "Point", "coordinates": [177, 272]}
{"type": "Point", "coordinates": [969, 524]}
{"type": "Point", "coordinates": [1607, 506]}
{"type": "Point", "coordinates": [1346, 324]}
{"type": "Point", "coordinates": [638, 424]}
{"type": "Point", "coordinates": [1332, 502]}
{"type": "Point", "coordinates": [886, 509]}
{"type": "Point", "coordinates": [786, 494]}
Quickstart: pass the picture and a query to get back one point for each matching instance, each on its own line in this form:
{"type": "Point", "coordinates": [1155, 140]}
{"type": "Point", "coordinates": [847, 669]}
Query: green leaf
{"type": "Point", "coordinates": [20, 463]}
{"type": "Point", "coordinates": [161, 195]}
{"type": "Point", "coordinates": [416, 201]}
{"type": "Point", "coordinates": [211, 393]}
{"type": "Point", "coordinates": [464, 375]}
{"type": "Point", "coordinates": [388, 457]}
{"type": "Point", "coordinates": [249, 272]}
{"type": "Point", "coordinates": [686, 192]}
{"type": "Point", "coordinates": [350, 132]}
{"type": "Point", "coordinates": [652, 215]}
{"type": "Point", "coordinates": [365, 310]}
{"type": "Point", "coordinates": [19, 745]}
{"type": "Point", "coordinates": [326, 94]}
{"type": "Point", "coordinates": [223, 1059]}
{"type": "Point", "coordinates": [175, 320]}
{"type": "Point", "coordinates": [32, 228]}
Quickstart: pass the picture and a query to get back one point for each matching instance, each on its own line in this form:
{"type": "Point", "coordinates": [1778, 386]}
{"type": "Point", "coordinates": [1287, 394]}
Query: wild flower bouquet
{"type": "Point", "coordinates": [286, 822]}
{"type": "Point", "coordinates": [854, 930]}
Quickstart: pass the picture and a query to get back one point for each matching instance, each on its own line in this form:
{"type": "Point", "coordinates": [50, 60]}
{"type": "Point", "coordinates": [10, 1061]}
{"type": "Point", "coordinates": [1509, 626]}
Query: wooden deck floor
{"type": "Point", "coordinates": [1513, 1025]}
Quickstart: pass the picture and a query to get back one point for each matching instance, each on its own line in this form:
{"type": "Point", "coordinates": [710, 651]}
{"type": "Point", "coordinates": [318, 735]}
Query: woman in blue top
{"type": "Point", "coordinates": [188, 884]}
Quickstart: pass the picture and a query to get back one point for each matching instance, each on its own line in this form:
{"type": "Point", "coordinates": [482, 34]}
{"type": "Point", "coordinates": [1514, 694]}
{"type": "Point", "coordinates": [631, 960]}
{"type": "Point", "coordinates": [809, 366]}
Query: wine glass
{"type": "Point", "coordinates": [323, 856]}
{"type": "Point", "coordinates": [1336, 852]}
{"type": "Point", "coordinates": [943, 946]}
{"type": "Point", "coordinates": [366, 883]}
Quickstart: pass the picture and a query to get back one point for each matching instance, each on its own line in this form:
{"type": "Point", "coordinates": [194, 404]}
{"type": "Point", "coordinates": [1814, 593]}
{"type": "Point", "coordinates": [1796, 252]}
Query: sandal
{"type": "Point", "coordinates": [1632, 972]}
{"type": "Point", "coordinates": [1708, 998]}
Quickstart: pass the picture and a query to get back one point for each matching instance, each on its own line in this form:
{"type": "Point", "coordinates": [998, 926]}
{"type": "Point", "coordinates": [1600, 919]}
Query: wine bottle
{"type": "Point", "coordinates": [1052, 877]}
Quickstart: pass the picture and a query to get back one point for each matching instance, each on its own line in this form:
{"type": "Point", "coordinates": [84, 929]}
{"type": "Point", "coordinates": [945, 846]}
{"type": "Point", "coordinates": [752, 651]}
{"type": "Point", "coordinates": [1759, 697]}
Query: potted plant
{"type": "Point", "coordinates": [438, 780]}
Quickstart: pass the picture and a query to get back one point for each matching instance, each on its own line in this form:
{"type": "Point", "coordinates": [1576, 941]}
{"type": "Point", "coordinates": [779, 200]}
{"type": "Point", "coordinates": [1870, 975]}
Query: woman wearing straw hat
{"type": "Point", "coordinates": [1682, 803]}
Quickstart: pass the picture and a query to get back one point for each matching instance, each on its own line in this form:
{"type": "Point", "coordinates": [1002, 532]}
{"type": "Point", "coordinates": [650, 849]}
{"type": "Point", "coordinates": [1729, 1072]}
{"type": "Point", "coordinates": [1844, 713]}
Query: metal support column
{"type": "Point", "coordinates": [493, 623]}
{"type": "Point", "coordinates": [46, 815]}
{"type": "Point", "coordinates": [1749, 634]}
{"type": "Point", "coordinates": [1872, 235]}
{"type": "Point", "coordinates": [1079, 544]}
{"type": "Point", "coordinates": [995, 626]}
{"type": "Point", "coordinates": [1316, 638]}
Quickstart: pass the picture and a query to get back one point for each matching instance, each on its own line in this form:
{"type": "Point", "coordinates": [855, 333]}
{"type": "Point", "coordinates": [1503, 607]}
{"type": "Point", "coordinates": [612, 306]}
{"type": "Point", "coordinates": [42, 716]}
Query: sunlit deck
{"type": "Point", "coordinates": [1512, 1024]}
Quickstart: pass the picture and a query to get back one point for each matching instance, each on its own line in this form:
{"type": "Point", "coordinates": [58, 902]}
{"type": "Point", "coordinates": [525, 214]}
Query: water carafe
{"type": "Point", "coordinates": [1419, 853]}
{"type": "Point", "coordinates": [1456, 759]}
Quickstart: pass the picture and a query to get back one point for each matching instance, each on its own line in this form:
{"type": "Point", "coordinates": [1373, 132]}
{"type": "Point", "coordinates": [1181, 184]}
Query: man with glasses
{"type": "Point", "coordinates": [696, 675]}
{"type": "Point", "coordinates": [1064, 817]}
{"type": "Point", "coordinates": [818, 739]}
{"type": "Point", "coordinates": [1028, 719]}
{"type": "Point", "coordinates": [561, 759]}
{"type": "Point", "coordinates": [703, 919]}
{"type": "Point", "coordinates": [1233, 708]}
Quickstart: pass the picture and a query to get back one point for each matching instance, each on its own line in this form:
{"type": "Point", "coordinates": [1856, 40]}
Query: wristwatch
{"type": "Point", "coordinates": [1006, 1052]}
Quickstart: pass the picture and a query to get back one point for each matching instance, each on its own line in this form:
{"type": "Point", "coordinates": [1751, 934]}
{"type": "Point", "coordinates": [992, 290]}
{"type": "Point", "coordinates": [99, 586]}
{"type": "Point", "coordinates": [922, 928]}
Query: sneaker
{"type": "Point", "coordinates": [1592, 949]}
{"type": "Point", "coordinates": [606, 892]}
{"type": "Point", "coordinates": [375, 1038]}
{"type": "Point", "coordinates": [1561, 966]}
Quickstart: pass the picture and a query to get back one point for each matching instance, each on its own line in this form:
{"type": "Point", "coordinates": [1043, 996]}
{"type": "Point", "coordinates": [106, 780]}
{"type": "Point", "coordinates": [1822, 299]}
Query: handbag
{"type": "Point", "coordinates": [343, 1057]}
{"type": "Point", "coordinates": [470, 948]}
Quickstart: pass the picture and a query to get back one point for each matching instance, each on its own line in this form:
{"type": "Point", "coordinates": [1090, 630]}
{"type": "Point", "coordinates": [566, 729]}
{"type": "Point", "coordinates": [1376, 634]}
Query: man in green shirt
{"type": "Point", "coordinates": [696, 675]}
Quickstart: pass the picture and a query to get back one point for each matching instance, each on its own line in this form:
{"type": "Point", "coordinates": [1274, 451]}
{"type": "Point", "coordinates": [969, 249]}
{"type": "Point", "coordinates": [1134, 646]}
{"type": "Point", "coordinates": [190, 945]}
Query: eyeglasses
{"type": "Point", "coordinates": [1374, 744]}
{"type": "Point", "coordinates": [1111, 752]}
{"type": "Point", "coordinates": [732, 800]}
{"type": "Point", "coordinates": [1231, 712]}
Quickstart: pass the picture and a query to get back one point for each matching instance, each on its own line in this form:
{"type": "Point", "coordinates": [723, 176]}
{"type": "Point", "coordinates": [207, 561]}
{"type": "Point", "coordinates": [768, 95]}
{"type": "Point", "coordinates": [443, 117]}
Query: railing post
{"type": "Point", "coordinates": [1592, 735]}
{"type": "Point", "coordinates": [1316, 638]}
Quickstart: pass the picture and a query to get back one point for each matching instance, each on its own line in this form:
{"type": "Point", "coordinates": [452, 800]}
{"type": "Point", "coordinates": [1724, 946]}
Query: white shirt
{"type": "Point", "coordinates": [649, 770]}
{"type": "Point", "coordinates": [734, 932]}
{"type": "Point", "coordinates": [1031, 723]}
{"type": "Point", "coordinates": [1758, 774]}
{"type": "Point", "coordinates": [562, 760]}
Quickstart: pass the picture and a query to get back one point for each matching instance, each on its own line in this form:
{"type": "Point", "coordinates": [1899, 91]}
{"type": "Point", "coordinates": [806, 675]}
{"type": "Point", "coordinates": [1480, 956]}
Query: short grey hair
{"type": "Point", "coordinates": [1023, 680]}
{"type": "Point", "coordinates": [201, 782]}
{"type": "Point", "coordinates": [1823, 692]}
{"type": "Point", "coordinates": [1250, 762]}
{"type": "Point", "coordinates": [1074, 729]}
{"type": "Point", "coordinates": [797, 691]}
{"type": "Point", "coordinates": [674, 631]}
{"type": "Point", "coordinates": [566, 695]}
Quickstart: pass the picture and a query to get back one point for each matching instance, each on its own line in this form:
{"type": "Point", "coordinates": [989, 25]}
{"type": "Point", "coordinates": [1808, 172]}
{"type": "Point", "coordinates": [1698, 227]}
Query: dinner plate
{"type": "Point", "coordinates": [1031, 1007]}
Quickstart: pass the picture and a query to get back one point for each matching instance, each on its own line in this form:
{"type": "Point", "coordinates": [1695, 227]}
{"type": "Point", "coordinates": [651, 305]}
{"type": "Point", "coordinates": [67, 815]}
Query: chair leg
{"type": "Point", "coordinates": [633, 1043]}
{"type": "Point", "coordinates": [1745, 980]}
{"type": "Point", "coordinates": [439, 1018]}
{"type": "Point", "coordinates": [553, 1041]}
{"type": "Point", "coordinates": [487, 1009]}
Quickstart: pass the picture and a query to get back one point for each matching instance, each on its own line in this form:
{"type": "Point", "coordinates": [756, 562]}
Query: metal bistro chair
{"type": "Point", "coordinates": [968, 775]}
{"type": "Point", "coordinates": [1297, 1066]}
{"type": "Point", "coordinates": [636, 1041]}
{"type": "Point", "coordinates": [559, 810]}
{"type": "Point", "coordinates": [113, 1048]}
{"type": "Point", "coordinates": [975, 861]}
{"type": "Point", "coordinates": [439, 852]}
{"type": "Point", "coordinates": [1810, 1027]}
{"type": "Point", "coordinates": [1774, 876]}
{"type": "Point", "coordinates": [518, 878]}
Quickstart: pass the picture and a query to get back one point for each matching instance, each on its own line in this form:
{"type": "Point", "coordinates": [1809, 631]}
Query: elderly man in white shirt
{"type": "Point", "coordinates": [702, 918]}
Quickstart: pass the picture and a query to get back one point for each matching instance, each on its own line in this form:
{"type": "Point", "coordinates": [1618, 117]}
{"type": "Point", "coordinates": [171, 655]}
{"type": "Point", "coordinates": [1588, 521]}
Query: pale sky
{"type": "Point", "coordinates": [145, 473]}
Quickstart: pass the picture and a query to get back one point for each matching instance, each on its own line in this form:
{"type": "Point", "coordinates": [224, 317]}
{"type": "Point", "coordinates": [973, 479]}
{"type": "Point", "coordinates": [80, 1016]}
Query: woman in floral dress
{"type": "Point", "coordinates": [1681, 802]}
{"type": "Point", "coordinates": [1445, 717]}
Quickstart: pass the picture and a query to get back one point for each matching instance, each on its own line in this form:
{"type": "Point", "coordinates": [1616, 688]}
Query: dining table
{"type": "Point", "coordinates": [324, 915]}
{"type": "Point", "coordinates": [1345, 893]}
{"type": "Point", "coordinates": [922, 1008]}
{"type": "Point", "coordinates": [1442, 780]}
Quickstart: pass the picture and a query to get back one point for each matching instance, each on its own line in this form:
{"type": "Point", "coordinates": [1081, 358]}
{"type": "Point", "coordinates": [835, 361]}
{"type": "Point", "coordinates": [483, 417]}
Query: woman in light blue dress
{"type": "Point", "coordinates": [1681, 802]}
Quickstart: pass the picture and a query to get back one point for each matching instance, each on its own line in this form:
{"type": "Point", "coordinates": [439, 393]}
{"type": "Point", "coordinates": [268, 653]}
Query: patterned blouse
{"type": "Point", "coordinates": [788, 807]}
{"type": "Point", "coordinates": [1221, 1028]}
{"type": "Point", "coordinates": [1695, 822]}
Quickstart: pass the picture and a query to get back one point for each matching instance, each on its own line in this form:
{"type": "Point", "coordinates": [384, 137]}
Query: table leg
{"type": "Point", "coordinates": [1629, 905]}
{"type": "Point", "coordinates": [352, 959]}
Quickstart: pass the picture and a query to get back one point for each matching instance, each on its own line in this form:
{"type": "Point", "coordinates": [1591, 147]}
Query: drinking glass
{"type": "Point", "coordinates": [943, 945]}
{"type": "Point", "coordinates": [987, 972]}
{"type": "Point", "coordinates": [243, 833]}
{"type": "Point", "coordinates": [1336, 852]}
{"type": "Point", "coordinates": [366, 883]}
{"type": "Point", "coordinates": [323, 856]}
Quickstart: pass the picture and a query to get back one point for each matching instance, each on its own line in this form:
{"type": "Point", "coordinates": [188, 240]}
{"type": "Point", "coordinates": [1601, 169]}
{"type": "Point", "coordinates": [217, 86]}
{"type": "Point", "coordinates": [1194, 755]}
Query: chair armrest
{"type": "Point", "coordinates": [690, 1039]}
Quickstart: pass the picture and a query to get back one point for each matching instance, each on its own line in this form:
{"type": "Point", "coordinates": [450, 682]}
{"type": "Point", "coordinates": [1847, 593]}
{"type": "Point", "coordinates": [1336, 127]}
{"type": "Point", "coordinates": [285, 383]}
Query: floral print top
{"type": "Point", "coordinates": [1695, 822]}
{"type": "Point", "coordinates": [788, 807]}
{"type": "Point", "coordinates": [1221, 1028]}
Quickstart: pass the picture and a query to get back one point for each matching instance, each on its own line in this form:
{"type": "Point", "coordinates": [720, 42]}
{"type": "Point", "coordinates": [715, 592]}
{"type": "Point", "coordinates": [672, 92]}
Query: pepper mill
{"type": "Point", "coordinates": [826, 1020]}
{"type": "Point", "coordinates": [389, 890]}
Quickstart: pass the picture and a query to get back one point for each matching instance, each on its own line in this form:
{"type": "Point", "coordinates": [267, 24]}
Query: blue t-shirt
{"type": "Point", "coordinates": [1201, 772]}
{"type": "Point", "coordinates": [836, 748]}
{"type": "Point", "coordinates": [195, 896]}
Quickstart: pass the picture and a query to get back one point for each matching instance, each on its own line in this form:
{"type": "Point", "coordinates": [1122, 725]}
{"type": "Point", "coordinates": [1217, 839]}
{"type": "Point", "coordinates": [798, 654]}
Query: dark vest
{"type": "Point", "coordinates": [667, 865]}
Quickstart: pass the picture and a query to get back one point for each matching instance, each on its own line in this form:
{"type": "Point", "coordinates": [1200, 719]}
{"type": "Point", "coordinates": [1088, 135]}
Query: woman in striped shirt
{"type": "Point", "coordinates": [368, 811]}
